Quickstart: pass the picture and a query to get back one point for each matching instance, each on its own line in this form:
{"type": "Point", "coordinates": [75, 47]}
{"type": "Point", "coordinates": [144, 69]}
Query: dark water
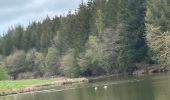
{"type": "Point", "coordinates": [133, 88]}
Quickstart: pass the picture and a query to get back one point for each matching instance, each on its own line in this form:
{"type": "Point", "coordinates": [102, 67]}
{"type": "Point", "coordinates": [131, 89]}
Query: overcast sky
{"type": "Point", "coordinates": [14, 12]}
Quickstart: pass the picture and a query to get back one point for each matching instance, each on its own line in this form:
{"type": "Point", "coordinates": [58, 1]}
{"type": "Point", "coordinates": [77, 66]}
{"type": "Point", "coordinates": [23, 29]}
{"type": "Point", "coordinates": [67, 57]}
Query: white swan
{"type": "Point", "coordinates": [105, 87]}
{"type": "Point", "coordinates": [96, 88]}
{"type": "Point", "coordinates": [136, 80]}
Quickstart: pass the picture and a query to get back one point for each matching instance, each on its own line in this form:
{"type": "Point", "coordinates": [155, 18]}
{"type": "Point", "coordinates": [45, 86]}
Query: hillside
{"type": "Point", "coordinates": [102, 37]}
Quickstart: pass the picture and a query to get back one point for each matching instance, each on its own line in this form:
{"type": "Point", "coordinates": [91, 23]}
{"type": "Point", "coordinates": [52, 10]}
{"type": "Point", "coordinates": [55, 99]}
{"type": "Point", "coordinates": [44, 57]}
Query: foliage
{"type": "Point", "coordinates": [159, 45]}
{"type": "Point", "coordinates": [52, 60]}
{"type": "Point", "coordinates": [69, 64]}
{"type": "Point", "coordinates": [27, 75]}
{"type": "Point", "coordinates": [35, 63]}
{"type": "Point", "coordinates": [3, 73]}
{"type": "Point", "coordinates": [100, 37]}
{"type": "Point", "coordinates": [158, 25]}
{"type": "Point", "coordinates": [133, 43]}
{"type": "Point", "coordinates": [93, 57]}
{"type": "Point", "coordinates": [100, 22]}
{"type": "Point", "coordinates": [15, 63]}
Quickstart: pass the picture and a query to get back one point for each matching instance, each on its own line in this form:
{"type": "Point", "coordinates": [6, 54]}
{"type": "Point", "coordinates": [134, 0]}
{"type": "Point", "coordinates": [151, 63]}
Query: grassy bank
{"type": "Point", "coordinates": [21, 86]}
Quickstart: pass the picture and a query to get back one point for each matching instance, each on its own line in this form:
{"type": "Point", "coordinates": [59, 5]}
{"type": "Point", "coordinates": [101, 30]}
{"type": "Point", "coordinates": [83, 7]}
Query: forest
{"type": "Point", "coordinates": [101, 37]}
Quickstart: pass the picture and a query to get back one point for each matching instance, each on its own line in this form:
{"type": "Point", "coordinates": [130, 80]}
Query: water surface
{"type": "Point", "coordinates": [131, 88]}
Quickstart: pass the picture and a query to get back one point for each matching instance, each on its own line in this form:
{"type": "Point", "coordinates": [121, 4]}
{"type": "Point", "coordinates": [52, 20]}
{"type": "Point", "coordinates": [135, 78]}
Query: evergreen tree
{"type": "Point", "coordinates": [158, 25]}
{"type": "Point", "coordinates": [101, 37]}
{"type": "Point", "coordinates": [100, 23]}
{"type": "Point", "coordinates": [134, 48]}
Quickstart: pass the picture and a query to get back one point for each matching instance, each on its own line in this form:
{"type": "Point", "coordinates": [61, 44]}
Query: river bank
{"type": "Point", "coordinates": [23, 86]}
{"type": "Point", "coordinates": [147, 69]}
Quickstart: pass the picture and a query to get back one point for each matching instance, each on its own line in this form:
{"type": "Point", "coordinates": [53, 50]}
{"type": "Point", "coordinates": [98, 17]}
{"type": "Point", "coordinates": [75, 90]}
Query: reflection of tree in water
{"type": "Point", "coordinates": [161, 88]}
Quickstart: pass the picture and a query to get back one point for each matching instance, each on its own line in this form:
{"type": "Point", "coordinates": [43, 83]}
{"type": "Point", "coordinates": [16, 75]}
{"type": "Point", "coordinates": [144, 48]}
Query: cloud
{"type": "Point", "coordinates": [13, 3]}
{"type": "Point", "coordinates": [14, 12]}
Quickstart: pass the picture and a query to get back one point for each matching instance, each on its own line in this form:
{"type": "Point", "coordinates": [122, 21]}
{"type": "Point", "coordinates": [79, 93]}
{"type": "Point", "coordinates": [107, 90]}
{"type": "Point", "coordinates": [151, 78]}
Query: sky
{"type": "Point", "coordinates": [23, 12]}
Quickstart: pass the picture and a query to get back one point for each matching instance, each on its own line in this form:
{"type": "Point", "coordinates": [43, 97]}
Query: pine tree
{"type": "Point", "coordinates": [134, 48]}
{"type": "Point", "coordinates": [100, 23]}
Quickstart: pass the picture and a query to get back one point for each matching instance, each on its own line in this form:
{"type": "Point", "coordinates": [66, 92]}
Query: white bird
{"type": "Point", "coordinates": [96, 88]}
{"type": "Point", "coordinates": [105, 87]}
{"type": "Point", "coordinates": [137, 80]}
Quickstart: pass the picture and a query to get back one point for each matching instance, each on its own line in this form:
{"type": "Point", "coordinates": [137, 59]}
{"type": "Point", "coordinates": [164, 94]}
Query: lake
{"type": "Point", "coordinates": [156, 87]}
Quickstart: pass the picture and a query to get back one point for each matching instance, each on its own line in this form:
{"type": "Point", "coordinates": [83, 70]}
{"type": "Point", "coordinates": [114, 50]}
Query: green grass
{"type": "Point", "coordinates": [19, 84]}
{"type": "Point", "coordinates": [10, 86]}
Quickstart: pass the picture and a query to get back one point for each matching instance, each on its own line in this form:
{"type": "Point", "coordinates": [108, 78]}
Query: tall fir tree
{"type": "Point", "coordinates": [134, 48]}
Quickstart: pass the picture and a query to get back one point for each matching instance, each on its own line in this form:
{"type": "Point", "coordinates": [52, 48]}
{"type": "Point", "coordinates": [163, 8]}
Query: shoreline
{"type": "Point", "coordinates": [44, 86]}
{"type": "Point", "coordinates": [62, 81]}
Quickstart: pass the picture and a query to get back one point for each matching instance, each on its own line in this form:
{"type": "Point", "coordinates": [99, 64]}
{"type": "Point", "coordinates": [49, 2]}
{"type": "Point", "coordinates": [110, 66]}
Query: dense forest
{"type": "Point", "coordinates": [101, 37]}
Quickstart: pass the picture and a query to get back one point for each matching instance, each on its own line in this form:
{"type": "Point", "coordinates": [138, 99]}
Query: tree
{"type": "Point", "coordinates": [44, 42]}
{"type": "Point", "coordinates": [111, 13]}
{"type": "Point", "coordinates": [92, 60]}
{"type": "Point", "coordinates": [159, 45]}
{"type": "Point", "coordinates": [3, 73]}
{"type": "Point", "coordinates": [110, 46]}
{"type": "Point", "coordinates": [100, 22]}
{"type": "Point", "coordinates": [100, 37]}
{"type": "Point", "coordinates": [7, 44]}
{"type": "Point", "coordinates": [35, 63]}
{"type": "Point", "coordinates": [17, 37]}
{"type": "Point", "coordinates": [134, 48]}
{"type": "Point", "coordinates": [52, 60]}
{"type": "Point", "coordinates": [158, 25]}
{"type": "Point", "coordinates": [158, 14]}
{"type": "Point", "coordinates": [15, 63]}
{"type": "Point", "coordinates": [69, 64]}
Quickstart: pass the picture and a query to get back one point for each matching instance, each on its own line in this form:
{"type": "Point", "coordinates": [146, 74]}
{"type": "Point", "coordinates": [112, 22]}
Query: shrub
{"type": "Point", "coordinates": [15, 63]}
{"type": "Point", "coordinates": [3, 74]}
{"type": "Point", "coordinates": [69, 65]}
{"type": "Point", "coordinates": [52, 60]}
{"type": "Point", "coordinates": [158, 43]}
{"type": "Point", "coordinates": [27, 75]}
